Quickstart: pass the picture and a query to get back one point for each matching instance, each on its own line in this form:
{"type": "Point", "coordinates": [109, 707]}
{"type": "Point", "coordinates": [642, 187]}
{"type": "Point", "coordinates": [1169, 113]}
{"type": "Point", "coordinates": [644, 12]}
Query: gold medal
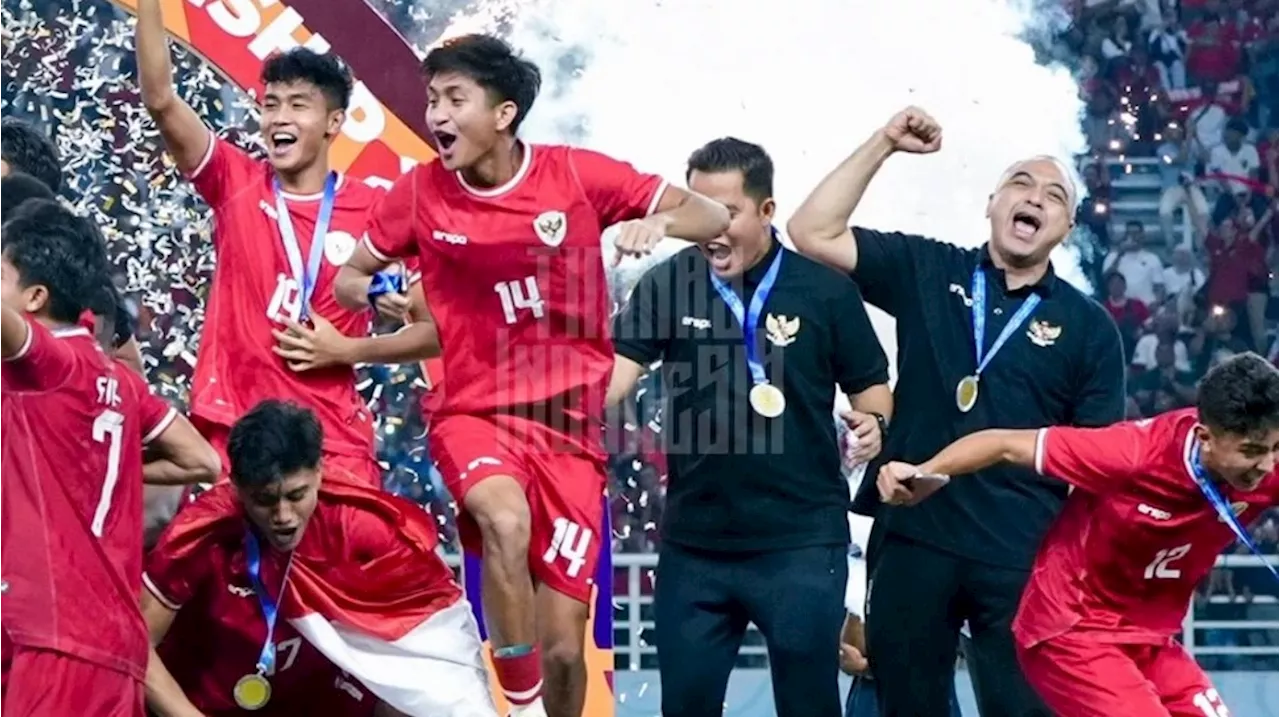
{"type": "Point", "coordinates": [967, 393]}
{"type": "Point", "coordinates": [767, 400]}
{"type": "Point", "coordinates": [252, 692]}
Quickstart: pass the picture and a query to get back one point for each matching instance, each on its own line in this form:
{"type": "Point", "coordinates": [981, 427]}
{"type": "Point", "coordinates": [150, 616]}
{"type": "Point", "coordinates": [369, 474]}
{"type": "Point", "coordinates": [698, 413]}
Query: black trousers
{"type": "Point", "coordinates": [703, 602]}
{"type": "Point", "coordinates": [918, 599]}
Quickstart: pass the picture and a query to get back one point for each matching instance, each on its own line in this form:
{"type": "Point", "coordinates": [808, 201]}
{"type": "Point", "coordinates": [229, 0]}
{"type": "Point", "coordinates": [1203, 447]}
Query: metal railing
{"type": "Point", "coordinates": [633, 616]}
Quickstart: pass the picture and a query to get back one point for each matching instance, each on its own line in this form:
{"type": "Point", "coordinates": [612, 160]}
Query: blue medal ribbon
{"type": "Point", "coordinates": [979, 293]}
{"type": "Point", "coordinates": [1220, 505]}
{"type": "Point", "coordinates": [270, 605]}
{"type": "Point", "coordinates": [307, 276]}
{"type": "Point", "coordinates": [385, 282]}
{"type": "Point", "coordinates": [749, 317]}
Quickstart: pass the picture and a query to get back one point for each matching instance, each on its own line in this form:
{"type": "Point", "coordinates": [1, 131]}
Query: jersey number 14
{"type": "Point", "coordinates": [520, 294]}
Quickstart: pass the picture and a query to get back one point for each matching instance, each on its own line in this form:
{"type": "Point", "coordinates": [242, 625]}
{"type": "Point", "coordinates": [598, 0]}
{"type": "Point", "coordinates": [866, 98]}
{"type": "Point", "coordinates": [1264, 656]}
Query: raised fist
{"type": "Point", "coordinates": [913, 130]}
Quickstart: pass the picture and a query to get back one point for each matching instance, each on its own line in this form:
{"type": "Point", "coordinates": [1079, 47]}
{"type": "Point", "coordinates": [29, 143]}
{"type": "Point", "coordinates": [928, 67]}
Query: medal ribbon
{"type": "Point", "coordinates": [749, 317]}
{"type": "Point", "coordinates": [270, 606]}
{"type": "Point", "coordinates": [1225, 513]}
{"type": "Point", "coordinates": [979, 293]}
{"type": "Point", "coordinates": [307, 276]}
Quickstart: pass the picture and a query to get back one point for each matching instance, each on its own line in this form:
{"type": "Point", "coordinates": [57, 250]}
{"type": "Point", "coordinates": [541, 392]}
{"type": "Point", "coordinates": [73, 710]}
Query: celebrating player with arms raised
{"type": "Point", "coordinates": [75, 423]}
{"type": "Point", "coordinates": [508, 238]}
{"type": "Point", "coordinates": [283, 226]}
{"type": "Point", "coordinates": [1156, 502]}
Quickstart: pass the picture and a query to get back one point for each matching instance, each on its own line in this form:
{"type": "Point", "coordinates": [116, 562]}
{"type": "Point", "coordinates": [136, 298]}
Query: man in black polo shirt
{"type": "Point", "coordinates": [755, 526]}
{"type": "Point", "coordinates": [1045, 354]}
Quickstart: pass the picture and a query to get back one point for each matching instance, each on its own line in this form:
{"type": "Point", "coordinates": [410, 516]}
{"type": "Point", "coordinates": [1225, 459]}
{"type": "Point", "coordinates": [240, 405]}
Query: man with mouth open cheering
{"type": "Point", "coordinates": [282, 228]}
{"type": "Point", "coordinates": [508, 238]}
{"type": "Point", "coordinates": [986, 337]}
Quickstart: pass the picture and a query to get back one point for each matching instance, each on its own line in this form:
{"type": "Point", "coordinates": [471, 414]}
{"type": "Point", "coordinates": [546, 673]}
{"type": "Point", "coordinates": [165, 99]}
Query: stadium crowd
{"type": "Point", "coordinates": [1182, 94]}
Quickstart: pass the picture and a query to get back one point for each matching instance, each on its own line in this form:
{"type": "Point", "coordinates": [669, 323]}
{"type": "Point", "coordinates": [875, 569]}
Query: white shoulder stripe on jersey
{"type": "Point", "coordinates": [164, 424]}
{"type": "Point", "coordinates": [373, 249]}
{"type": "Point", "coordinates": [1041, 436]}
{"type": "Point", "coordinates": [208, 155]}
{"type": "Point", "coordinates": [26, 345]}
{"type": "Point", "coordinates": [657, 197]}
{"type": "Point", "coordinates": [159, 596]}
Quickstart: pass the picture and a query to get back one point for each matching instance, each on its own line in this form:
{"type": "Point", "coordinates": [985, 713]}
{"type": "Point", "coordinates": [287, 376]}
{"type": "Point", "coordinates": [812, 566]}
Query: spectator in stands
{"type": "Point", "coordinates": [1142, 269]}
{"type": "Point", "coordinates": [1168, 46]}
{"type": "Point", "coordinates": [1118, 42]}
{"type": "Point", "coordinates": [1164, 332]}
{"type": "Point", "coordinates": [1177, 181]}
{"type": "Point", "coordinates": [1214, 55]}
{"type": "Point", "coordinates": [1237, 272]}
{"type": "Point", "coordinates": [1130, 314]}
{"type": "Point", "coordinates": [1094, 211]}
{"type": "Point", "coordinates": [1234, 164]}
{"type": "Point", "coordinates": [1216, 341]}
{"type": "Point", "coordinates": [1207, 120]}
{"type": "Point", "coordinates": [1182, 279]}
{"type": "Point", "coordinates": [1165, 386]}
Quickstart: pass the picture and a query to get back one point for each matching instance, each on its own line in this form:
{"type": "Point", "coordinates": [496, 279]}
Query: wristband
{"type": "Point", "coordinates": [384, 282]}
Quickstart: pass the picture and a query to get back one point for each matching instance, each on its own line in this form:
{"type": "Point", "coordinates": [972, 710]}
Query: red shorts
{"type": "Point", "coordinates": [565, 488]}
{"type": "Point", "coordinates": [1078, 676]}
{"type": "Point", "coordinates": [44, 683]}
{"type": "Point", "coordinates": [361, 470]}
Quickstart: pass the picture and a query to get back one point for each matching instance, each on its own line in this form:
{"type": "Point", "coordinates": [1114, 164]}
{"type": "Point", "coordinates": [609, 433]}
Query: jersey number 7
{"type": "Point", "coordinates": [108, 428]}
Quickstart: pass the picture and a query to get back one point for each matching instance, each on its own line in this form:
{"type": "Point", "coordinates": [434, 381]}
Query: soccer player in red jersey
{"type": "Point", "coordinates": [1156, 501]}
{"type": "Point", "coordinates": [507, 235]}
{"type": "Point", "coordinates": [283, 226]}
{"type": "Point", "coordinates": [76, 422]}
{"type": "Point", "coordinates": [227, 576]}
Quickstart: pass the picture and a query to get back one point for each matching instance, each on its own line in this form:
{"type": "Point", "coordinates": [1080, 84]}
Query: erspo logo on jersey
{"type": "Point", "coordinates": [235, 36]}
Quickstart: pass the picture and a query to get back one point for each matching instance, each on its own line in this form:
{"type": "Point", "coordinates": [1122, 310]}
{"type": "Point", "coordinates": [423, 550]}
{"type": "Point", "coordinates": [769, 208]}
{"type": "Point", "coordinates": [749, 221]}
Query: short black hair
{"type": "Point", "coordinates": [1134, 224]}
{"type": "Point", "coordinates": [1239, 396]}
{"type": "Point", "coordinates": [492, 64]}
{"type": "Point", "coordinates": [274, 440]}
{"type": "Point", "coordinates": [729, 154]}
{"type": "Point", "coordinates": [1235, 124]}
{"type": "Point", "coordinates": [326, 72]}
{"type": "Point", "coordinates": [19, 188]}
{"type": "Point", "coordinates": [30, 151]}
{"type": "Point", "coordinates": [49, 245]}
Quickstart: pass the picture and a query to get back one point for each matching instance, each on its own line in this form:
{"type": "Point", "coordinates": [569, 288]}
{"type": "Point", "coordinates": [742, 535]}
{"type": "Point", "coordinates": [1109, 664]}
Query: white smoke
{"type": "Point", "coordinates": [650, 81]}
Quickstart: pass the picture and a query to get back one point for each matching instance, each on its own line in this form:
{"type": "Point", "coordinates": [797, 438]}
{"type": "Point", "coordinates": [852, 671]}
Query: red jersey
{"type": "Point", "coordinates": [198, 568]}
{"type": "Point", "coordinates": [1134, 539]}
{"type": "Point", "coordinates": [75, 423]}
{"type": "Point", "coordinates": [516, 273]}
{"type": "Point", "coordinates": [253, 284]}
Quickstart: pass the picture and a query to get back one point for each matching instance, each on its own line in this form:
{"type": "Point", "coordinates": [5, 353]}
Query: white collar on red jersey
{"type": "Point", "coordinates": [525, 163]}
{"type": "Point", "coordinates": [290, 196]}
{"type": "Point", "coordinates": [69, 332]}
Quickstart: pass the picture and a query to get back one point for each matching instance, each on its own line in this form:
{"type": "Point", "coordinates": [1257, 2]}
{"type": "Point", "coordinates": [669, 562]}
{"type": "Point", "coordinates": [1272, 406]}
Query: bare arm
{"type": "Point", "coordinates": [13, 332]}
{"type": "Point", "coordinates": [691, 216]}
{"type": "Point", "coordinates": [820, 227]}
{"type": "Point", "coordinates": [351, 286]}
{"type": "Point", "coordinates": [180, 456]}
{"type": "Point", "coordinates": [876, 399]}
{"type": "Point", "coordinates": [185, 135]}
{"type": "Point", "coordinates": [164, 695]}
{"type": "Point", "coordinates": [418, 340]}
{"type": "Point", "coordinates": [625, 374]}
{"type": "Point", "coordinates": [130, 354]}
{"type": "Point", "coordinates": [984, 449]}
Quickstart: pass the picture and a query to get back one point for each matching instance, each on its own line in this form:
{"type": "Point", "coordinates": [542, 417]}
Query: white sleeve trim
{"type": "Point", "coordinates": [657, 197]}
{"type": "Point", "coordinates": [415, 278]}
{"type": "Point", "coordinates": [374, 250]}
{"type": "Point", "coordinates": [1042, 435]}
{"type": "Point", "coordinates": [159, 596]}
{"type": "Point", "coordinates": [160, 427]}
{"type": "Point", "coordinates": [208, 155]}
{"type": "Point", "coordinates": [26, 343]}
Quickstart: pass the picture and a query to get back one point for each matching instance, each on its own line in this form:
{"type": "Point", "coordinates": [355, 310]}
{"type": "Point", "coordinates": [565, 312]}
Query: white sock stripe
{"type": "Point", "coordinates": [524, 696]}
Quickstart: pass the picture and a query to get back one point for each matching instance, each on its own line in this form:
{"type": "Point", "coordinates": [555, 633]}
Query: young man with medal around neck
{"type": "Point", "coordinates": [754, 341]}
{"type": "Point", "coordinates": [987, 336]}
{"type": "Point", "coordinates": [282, 228]}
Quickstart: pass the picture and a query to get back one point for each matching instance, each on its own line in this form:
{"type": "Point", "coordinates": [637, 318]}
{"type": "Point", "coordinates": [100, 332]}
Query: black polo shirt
{"type": "Point", "coordinates": [738, 481]}
{"type": "Point", "coordinates": [1063, 367]}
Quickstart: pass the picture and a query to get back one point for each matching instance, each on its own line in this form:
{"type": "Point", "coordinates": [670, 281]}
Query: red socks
{"type": "Point", "coordinates": [519, 670]}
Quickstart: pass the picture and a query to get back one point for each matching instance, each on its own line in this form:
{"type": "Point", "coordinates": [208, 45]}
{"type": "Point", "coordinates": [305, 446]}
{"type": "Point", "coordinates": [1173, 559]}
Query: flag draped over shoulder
{"type": "Point", "coordinates": [368, 590]}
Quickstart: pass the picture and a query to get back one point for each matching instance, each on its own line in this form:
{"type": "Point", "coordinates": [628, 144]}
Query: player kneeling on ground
{"type": "Point", "coordinates": [1156, 502]}
{"type": "Point", "coordinates": [371, 621]}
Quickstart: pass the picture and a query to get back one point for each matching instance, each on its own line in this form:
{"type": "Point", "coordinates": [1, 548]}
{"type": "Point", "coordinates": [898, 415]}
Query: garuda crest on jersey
{"type": "Point", "coordinates": [551, 227]}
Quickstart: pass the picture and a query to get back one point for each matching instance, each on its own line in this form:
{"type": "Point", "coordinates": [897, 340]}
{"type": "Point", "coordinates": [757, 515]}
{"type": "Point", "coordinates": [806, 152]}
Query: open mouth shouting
{"type": "Point", "coordinates": [281, 143]}
{"type": "Point", "coordinates": [1025, 224]}
{"type": "Point", "coordinates": [719, 255]}
{"type": "Point", "coordinates": [444, 143]}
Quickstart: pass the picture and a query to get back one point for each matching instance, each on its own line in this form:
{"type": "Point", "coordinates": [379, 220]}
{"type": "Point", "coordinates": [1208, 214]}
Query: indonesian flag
{"type": "Point", "coordinates": [395, 620]}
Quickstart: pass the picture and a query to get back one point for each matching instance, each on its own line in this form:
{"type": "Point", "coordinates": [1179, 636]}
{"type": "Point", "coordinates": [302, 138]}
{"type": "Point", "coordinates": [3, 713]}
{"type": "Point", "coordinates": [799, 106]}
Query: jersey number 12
{"type": "Point", "coordinates": [1161, 568]}
{"type": "Point", "coordinates": [520, 294]}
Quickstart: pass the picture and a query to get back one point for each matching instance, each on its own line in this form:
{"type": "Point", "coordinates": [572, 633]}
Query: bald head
{"type": "Point", "coordinates": [1048, 168]}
